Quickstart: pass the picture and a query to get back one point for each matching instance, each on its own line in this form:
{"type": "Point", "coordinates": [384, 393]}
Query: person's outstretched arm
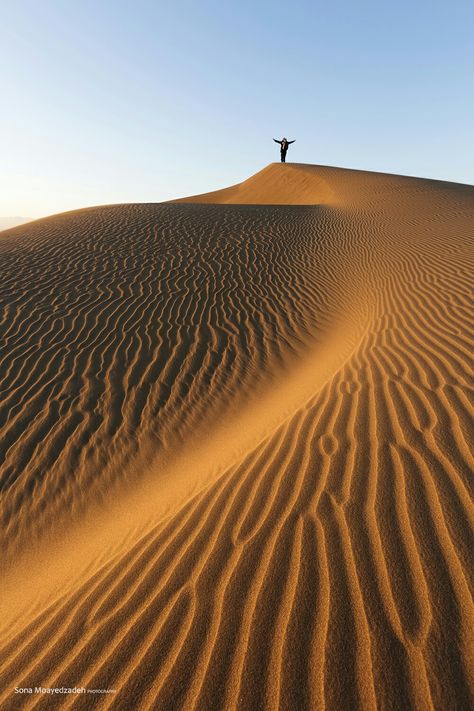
{"type": "Point", "coordinates": [277, 141]}
{"type": "Point", "coordinates": [291, 141]}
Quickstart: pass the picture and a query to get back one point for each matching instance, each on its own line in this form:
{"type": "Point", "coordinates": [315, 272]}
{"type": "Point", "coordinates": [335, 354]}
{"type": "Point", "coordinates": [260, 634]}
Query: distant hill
{"type": "Point", "coordinates": [7, 222]}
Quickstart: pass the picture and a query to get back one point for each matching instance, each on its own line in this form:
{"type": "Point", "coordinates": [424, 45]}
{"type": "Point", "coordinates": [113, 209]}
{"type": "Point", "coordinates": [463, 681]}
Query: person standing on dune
{"type": "Point", "coordinates": [284, 143]}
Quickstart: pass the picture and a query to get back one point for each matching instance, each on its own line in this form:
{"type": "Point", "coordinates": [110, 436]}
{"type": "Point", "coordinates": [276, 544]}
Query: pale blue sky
{"type": "Point", "coordinates": [144, 101]}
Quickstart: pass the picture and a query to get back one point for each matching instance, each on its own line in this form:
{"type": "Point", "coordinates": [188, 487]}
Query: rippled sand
{"type": "Point", "coordinates": [236, 448]}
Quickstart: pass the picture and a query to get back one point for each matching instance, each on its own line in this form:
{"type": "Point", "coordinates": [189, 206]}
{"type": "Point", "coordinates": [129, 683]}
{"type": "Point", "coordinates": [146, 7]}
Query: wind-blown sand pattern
{"type": "Point", "coordinates": [236, 448]}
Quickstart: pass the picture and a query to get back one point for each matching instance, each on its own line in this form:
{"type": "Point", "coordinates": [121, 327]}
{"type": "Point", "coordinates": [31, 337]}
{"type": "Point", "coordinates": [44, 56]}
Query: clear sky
{"type": "Point", "coordinates": [136, 100]}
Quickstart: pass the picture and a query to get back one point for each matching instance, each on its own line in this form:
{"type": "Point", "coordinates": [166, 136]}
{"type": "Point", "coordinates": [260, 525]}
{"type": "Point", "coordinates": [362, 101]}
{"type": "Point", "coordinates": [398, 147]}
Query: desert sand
{"type": "Point", "coordinates": [236, 449]}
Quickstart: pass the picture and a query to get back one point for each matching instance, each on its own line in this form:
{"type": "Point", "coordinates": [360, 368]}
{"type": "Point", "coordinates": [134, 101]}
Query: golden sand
{"type": "Point", "coordinates": [236, 449]}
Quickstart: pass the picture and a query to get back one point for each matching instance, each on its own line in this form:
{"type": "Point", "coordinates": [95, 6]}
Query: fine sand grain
{"type": "Point", "coordinates": [236, 449]}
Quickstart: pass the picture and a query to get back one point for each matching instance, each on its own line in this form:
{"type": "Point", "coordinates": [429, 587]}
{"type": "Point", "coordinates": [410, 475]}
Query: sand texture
{"type": "Point", "coordinates": [236, 449]}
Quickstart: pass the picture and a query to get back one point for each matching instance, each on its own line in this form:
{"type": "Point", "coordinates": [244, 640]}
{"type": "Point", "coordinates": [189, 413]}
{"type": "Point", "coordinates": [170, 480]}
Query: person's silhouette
{"type": "Point", "coordinates": [284, 143]}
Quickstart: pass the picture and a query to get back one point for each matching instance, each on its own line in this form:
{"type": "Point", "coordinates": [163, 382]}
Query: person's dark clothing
{"type": "Point", "coordinates": [283, 148]}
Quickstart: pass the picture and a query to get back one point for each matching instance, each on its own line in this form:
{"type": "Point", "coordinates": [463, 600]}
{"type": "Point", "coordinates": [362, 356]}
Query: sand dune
{"type": "Point", "coordinates": [236, 448]}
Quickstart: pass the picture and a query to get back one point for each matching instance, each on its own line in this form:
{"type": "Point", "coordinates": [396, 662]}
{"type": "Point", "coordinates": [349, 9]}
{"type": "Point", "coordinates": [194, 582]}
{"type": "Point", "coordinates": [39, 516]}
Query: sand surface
{"type": "Point", "coordinates": [236, 449]}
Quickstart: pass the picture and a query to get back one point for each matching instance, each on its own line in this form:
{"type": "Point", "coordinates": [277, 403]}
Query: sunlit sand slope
{"type": "Point", "coordinates": [236, 448]}
{"type": "Point", "coordinates": [292, 184]}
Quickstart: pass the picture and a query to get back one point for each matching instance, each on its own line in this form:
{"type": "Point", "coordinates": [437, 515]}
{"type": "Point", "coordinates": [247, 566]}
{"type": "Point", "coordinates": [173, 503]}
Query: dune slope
{"type": "Point", "coordinates": [236, 448]}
